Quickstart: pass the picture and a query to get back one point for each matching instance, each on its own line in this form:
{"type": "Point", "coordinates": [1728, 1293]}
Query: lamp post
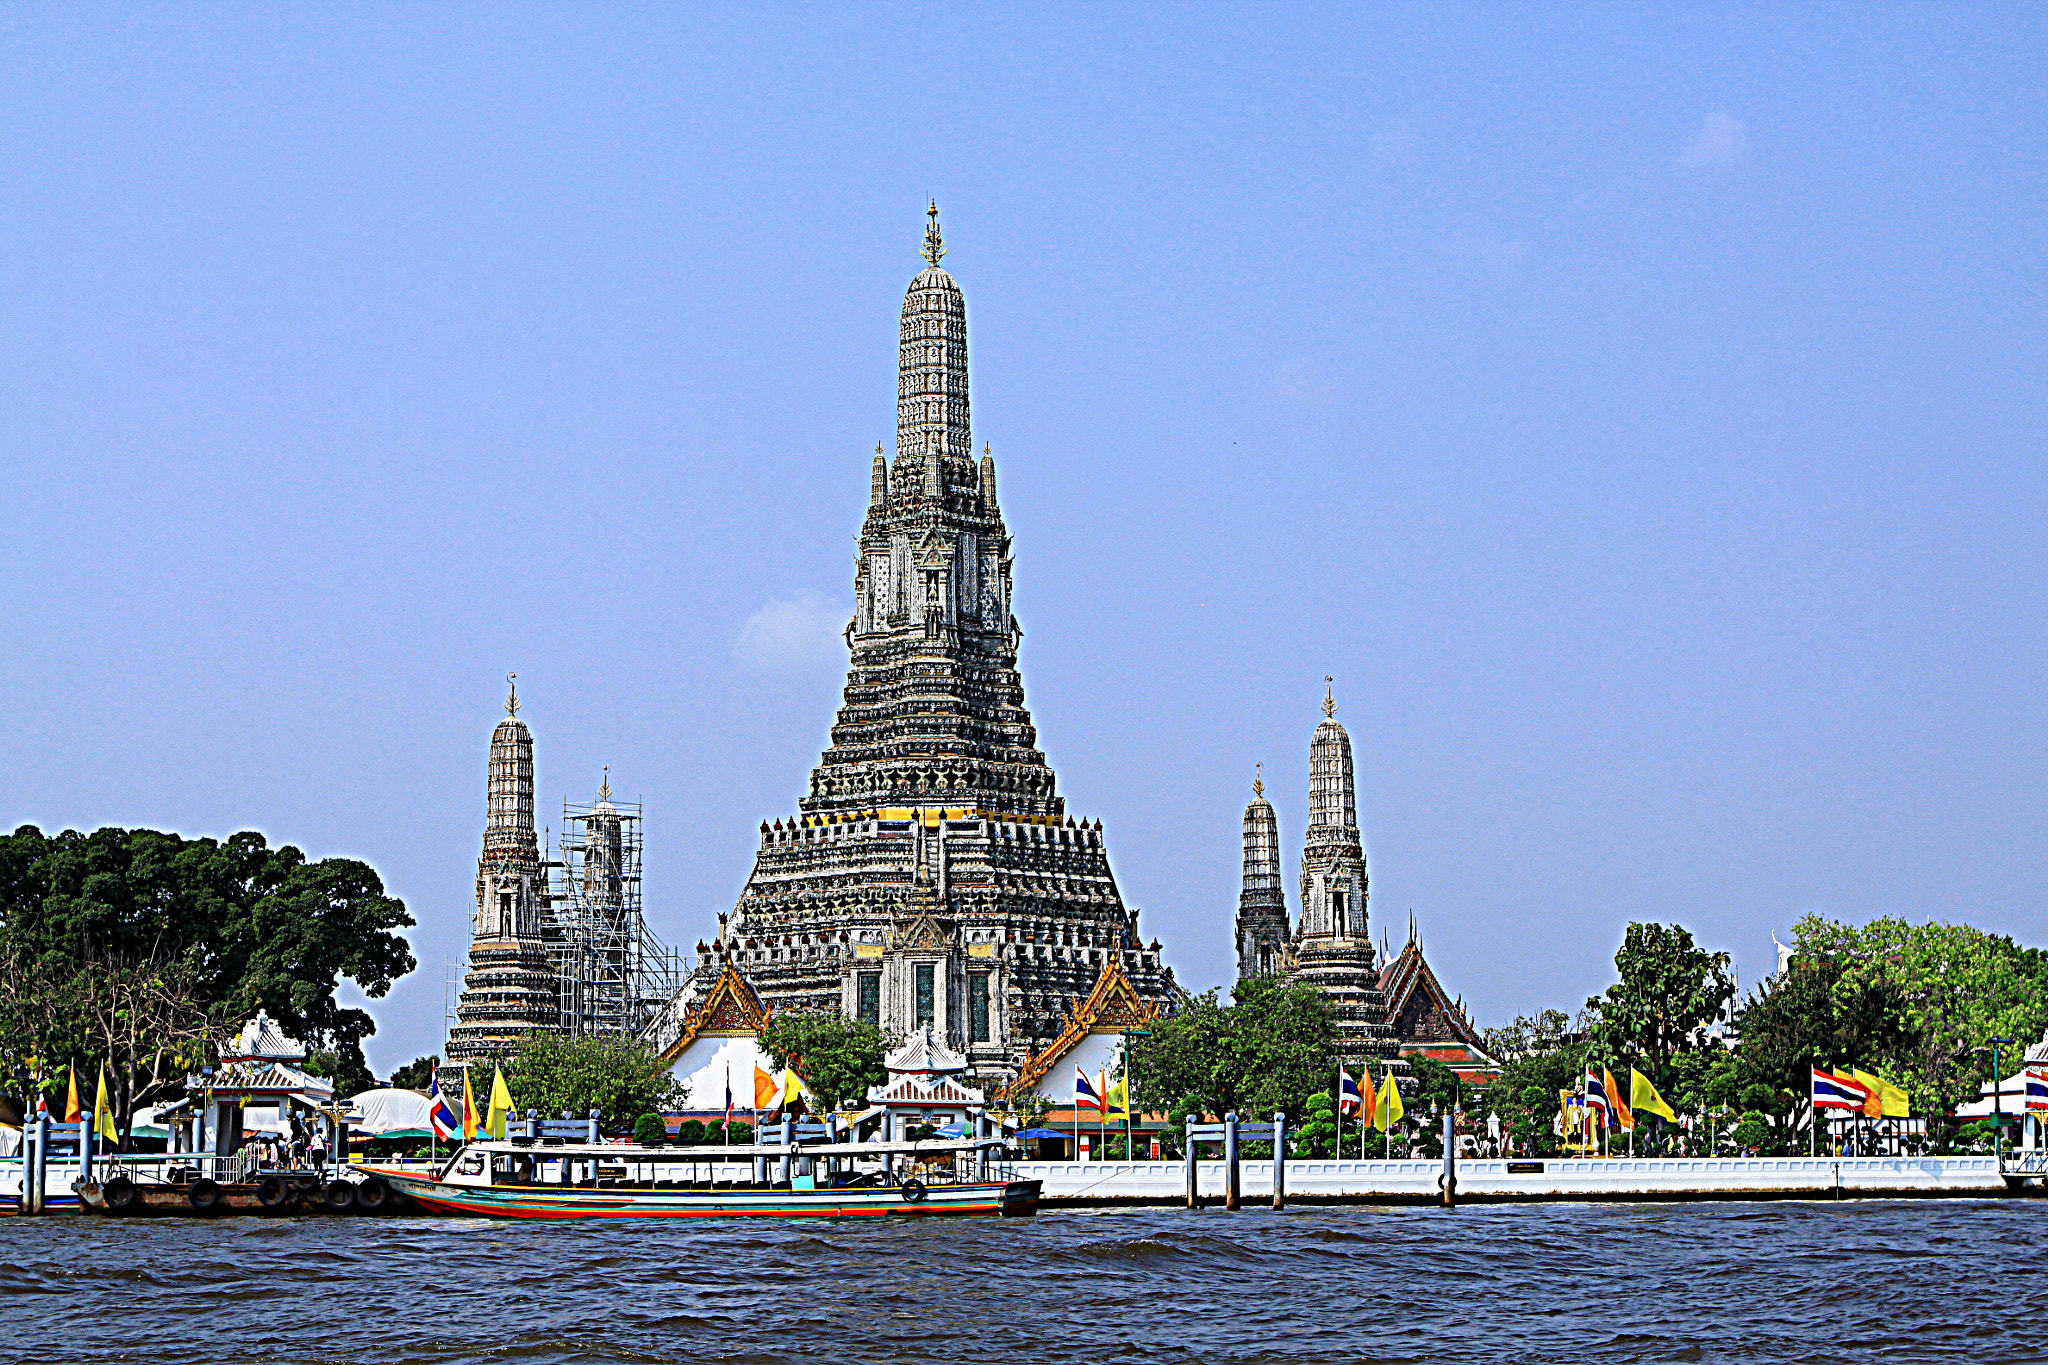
{"type": "Point", "coordinates": [1130, 1106]}
{"type": "Point", "coordinates": [1998, 1102]}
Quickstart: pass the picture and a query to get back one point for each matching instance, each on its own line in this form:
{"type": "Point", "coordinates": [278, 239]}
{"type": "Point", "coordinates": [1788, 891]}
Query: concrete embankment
{"type": "Point", "coordinates": [1081, 1184]}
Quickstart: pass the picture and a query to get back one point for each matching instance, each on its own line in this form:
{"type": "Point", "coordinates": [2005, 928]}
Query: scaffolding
{"type": "Point", "coordinates": [613, 974]}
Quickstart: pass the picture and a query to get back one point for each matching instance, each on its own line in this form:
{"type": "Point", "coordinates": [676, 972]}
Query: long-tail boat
{"type": "Point", "coordinates": [818, 1180]}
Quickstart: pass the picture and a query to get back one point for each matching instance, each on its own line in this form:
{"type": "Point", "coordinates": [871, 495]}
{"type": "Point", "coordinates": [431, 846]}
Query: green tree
{"type": "Point", "coordinates": [618, 1077]}
{"type": "Point", "coordinates": [1433, 1087]}
{"type": "Point", "coordinates": [144, 949]}
{"type": "Point", "coordinates": [1317, 1135]}
{"type": "Point", "coordinates": [417, 1074]}
{"type": "Point", "coordinates": [840, 1059]}
{"type": "Point", "coordinates": [1671, 991]}
{"type": "Point", "coordinates": [1954, 988]}
{"type": "Point", "coordinates": [350, 1074]}
{"type": "Point", "coordinates": [1265, 1053]}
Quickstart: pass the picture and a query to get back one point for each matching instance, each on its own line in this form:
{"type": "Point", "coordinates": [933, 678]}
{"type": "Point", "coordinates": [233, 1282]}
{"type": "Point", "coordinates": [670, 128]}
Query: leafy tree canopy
{"type": "Point", "coordinates": [146, 949]}
{"type": "Point", "coordinates": [1671, 991]}
{"type": "Point", "coordinates": [839, 1058]}
{"type": "Point", "coordinates": [1914, 1003]}
{"type": "Point", "coordinates": [619, 1077]}
{"type": "Point", "coordinates": [1265, 1053]}
{"type": "Point", "coordinates": [417, 1074]}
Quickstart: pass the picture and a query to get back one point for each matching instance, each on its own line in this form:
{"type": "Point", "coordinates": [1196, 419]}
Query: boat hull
{"type": "Point", "coordinates": [991, 1199]}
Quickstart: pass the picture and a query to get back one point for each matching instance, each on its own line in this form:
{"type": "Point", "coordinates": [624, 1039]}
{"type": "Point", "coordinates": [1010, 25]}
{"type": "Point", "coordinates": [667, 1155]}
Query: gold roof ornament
{"type": "Point", "coordinates": [1258, 779]}
{"type": "Point", "coordinates": [1329, 697]}
{"type": "Point", "coordinates": [604, 790]}
{"type": "Point", "coordinates": [512, 702]}
{"type": "Point", "coordinates": [934, 244]}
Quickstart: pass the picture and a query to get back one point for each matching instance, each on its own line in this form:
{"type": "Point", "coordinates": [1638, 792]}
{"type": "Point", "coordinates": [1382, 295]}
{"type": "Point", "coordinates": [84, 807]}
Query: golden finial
{"type": "Point", "coordinates": [878, 447]}
{"type": "Point", "coordinates": [512, 702]}
{"type": "Point", "coordinates": [1329, 697]}
{"type": "Point", "coordinates": [1258, 779]}
{"type": "Point", "coordinates": [604, 790]}
{"type": "Point", "coordinates": [934, 245]}
{"type": "Point", "coordinates": [986, 449]}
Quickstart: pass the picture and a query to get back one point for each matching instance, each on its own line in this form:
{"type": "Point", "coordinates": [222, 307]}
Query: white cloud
{"type": "Point", "coordinates": [1722, 138]}
{"type": "Point", "coordinates": [1300, 382]}
{"type": "Point", "coordinates": [791, 632]}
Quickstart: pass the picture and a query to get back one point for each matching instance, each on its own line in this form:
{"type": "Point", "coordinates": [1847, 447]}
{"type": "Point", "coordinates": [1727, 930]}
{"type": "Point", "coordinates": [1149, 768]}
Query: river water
{"type": "Point", "coordinates": [1911, 1281]}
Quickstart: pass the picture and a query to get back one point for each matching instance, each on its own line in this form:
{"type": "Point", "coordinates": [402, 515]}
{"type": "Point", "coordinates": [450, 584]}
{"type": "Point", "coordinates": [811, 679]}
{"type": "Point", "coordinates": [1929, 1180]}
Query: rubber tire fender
{"type": "Point", "coordinates": [272, 1192]}
{"type": "Point", "coordinates": [204, 1195]}
{"type": "Point", "coordinates": [372, 1194]}
{"type": "Point", "coordinates": [339, 1196]}
{"type": "Point", "coordinates": [913, 1191]}
{"type": "Point", "coordinates": [118, 1194]}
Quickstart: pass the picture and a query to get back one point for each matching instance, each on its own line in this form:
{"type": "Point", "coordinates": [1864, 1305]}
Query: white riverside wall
{"type": "Point", "coordinates": [1165, 1182]}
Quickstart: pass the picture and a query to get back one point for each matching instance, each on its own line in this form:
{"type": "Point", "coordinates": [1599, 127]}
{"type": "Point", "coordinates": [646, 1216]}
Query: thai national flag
{"type": "Point", "coordinates": [1085, 1094]}
{"type": "Point", "coordinates": [2037, 1087]}
{"type": "Point", "coordinates": [1349, 1101]}
{"type": "Point", "coordinates": [446, 1125]}
{"type": "Point", "coordinates": [1837, 1092]}
{"type": "Point", "coordinates": [1596, 1095]}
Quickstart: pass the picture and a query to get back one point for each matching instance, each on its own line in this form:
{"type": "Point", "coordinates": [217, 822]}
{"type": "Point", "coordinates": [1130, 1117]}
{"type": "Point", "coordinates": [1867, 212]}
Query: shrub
{"type": "Point", "coordinates": [690, 1130]}
{"type": "Point", "coordinates": [649, 1130]}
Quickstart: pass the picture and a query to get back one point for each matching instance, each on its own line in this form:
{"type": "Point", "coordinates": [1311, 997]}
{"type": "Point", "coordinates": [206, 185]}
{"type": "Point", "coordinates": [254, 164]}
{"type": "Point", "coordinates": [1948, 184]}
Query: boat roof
{"type": "Point", "coordinates": [625, 1151]}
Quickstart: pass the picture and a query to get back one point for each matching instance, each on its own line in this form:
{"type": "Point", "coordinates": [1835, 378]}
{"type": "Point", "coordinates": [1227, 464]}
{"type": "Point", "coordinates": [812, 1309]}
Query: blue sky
{"type": "Point", "coordinates": [1638, 410]}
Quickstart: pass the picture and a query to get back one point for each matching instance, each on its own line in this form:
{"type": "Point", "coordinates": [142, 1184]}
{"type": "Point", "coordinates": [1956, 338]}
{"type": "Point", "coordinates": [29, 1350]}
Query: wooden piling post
{"type": "Point", "coordinates": [41, 1199]}
{"type": "Point", "coordinates": [1194, 1172]}
{"type": "Point", "coordinates": [1450, 1177]}
{"type": "Point", "coordinates": [1230, 1186]}
{"type": "Point", "coordinates": [1279, 1161]}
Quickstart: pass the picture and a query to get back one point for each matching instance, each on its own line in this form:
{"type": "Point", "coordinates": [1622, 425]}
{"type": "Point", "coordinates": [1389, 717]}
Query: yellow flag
{"type": "Point", "coordinates": [1887, 1100]}
{"type": "Point", "coordinates": [1643, 1097]}
{"type": "Point", "coordinates": [103, 1111]}
{"type": "Point", "coordinates": [501, 1103]}
{"type": "Point", "coordinates": [1388, 1111]}
{"type": "Point", "coordinates": [1117, 1105]}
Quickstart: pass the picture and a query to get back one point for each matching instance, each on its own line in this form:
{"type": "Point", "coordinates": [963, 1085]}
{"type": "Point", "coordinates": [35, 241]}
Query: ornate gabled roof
{"type": "Point", "coordinates": [923, 1091]}
{"type": "Point", "coordinates": [262, 1039]}
{"type": "Point", "coordinates": [1114, 1005]}
{"type": "Point", "coordinates": [924, 1055]}
{"type": "Point", "coordinates": [1419, 1007]}
{"type": "Point", "coordinates": [730, 1009]}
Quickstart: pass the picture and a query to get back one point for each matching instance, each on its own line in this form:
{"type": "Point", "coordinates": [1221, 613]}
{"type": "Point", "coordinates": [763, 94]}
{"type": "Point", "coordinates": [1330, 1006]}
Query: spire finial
{"type": "Point", "coordinates": [512, 702]}
{"type": "Point", "coordinates": [604, 790]}
{"type": "Point", "coordinates": [987, 448]}
{"type": "Point", "coordinates": [934, 245]}
{"type": "Point", "coordinates": [1258, 779]}
{"type": "Point", "coordinates": [878, 447]}
{"type": "Point", "coordinates": [1329, 697]}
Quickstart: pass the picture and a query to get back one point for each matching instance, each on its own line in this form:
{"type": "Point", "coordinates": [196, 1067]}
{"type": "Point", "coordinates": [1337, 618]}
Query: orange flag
{"type": "Point", "coordinates": [72, 1112]}
{"type": "Point", "coordinates": [1623, 1119]}
{"type": "Point", "coordinates": [767, 1090]}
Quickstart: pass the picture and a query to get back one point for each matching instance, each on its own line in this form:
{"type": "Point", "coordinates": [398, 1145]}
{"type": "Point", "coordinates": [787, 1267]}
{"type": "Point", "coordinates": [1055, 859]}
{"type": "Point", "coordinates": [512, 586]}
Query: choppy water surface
{"type": "Point", "coordinates": [1913, 1281]}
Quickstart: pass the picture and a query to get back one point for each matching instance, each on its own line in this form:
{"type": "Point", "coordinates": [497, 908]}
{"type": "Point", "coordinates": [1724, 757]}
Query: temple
{"type": "Point", "coordinates": [511, 989]}
{"type": "Point", "coordinates": [1427, 1020]}
{"type": "Point", "coordinates": [1331, 949]}
{"type": "Point", "coordinates": [932, 877]}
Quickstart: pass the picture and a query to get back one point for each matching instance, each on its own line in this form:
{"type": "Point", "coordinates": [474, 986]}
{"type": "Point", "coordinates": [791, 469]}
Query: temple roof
{"type": "Point", "coordinates": [262, 1039]}
{"type": "Point", "coordinates": [1114, 1005]}
{"type": "Point", "coordinates": [924, 1055]}
{"type": "Point", "coordinates": [1419, 1007]}
{"type": "Point", "coordinates": [731, 1009]}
